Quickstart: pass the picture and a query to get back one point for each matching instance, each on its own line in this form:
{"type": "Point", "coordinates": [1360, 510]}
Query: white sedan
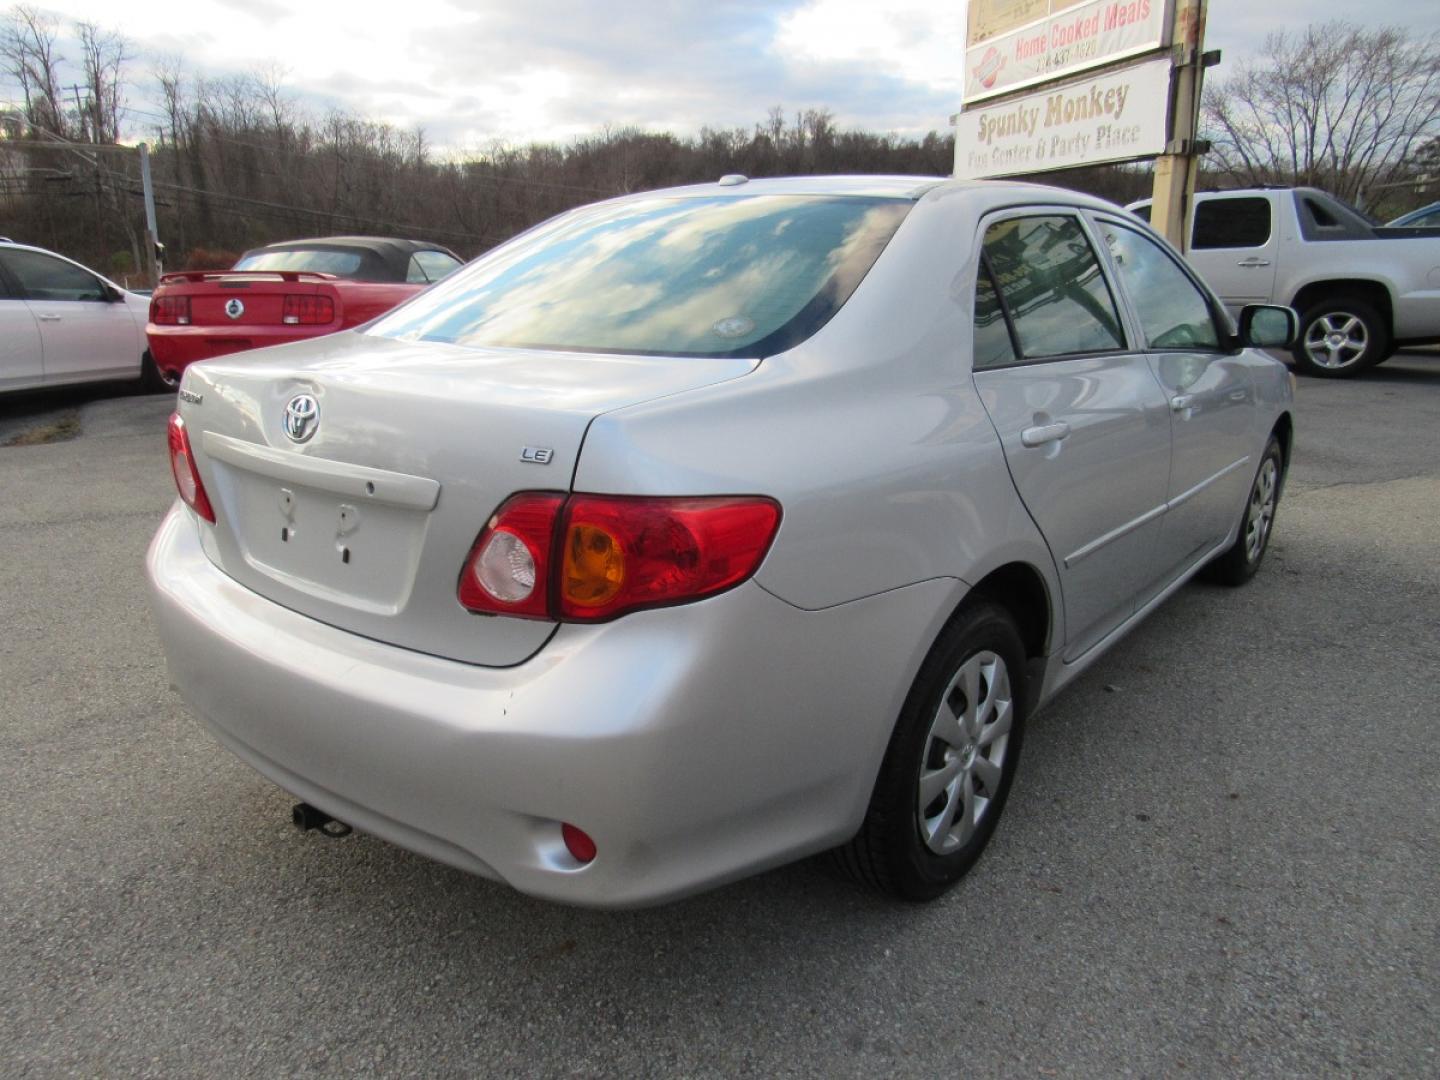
{"type": "Point", "coordinates": [62, 324]}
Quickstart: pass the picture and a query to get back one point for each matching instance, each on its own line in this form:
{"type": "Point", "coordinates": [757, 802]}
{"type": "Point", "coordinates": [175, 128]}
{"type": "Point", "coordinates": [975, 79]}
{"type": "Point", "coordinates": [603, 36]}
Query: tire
{"type": "Point", "coordinates": [916, 852]}
{"type": "Point", "coordinates": [155, 381]}
{"type": "Point", "coordinates": [1242, 558]}
{"type": "Point", "coordinates": [1340, 337]}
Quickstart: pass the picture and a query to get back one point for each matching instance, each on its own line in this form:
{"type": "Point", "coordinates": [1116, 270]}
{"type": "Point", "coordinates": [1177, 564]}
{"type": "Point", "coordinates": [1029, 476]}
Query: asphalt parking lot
{"type": "Point", "coordinates": [1222, 856]}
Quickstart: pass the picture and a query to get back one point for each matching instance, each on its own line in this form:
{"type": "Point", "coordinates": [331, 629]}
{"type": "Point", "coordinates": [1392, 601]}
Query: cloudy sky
{"type": "Point", "coordinates": [474, 71]}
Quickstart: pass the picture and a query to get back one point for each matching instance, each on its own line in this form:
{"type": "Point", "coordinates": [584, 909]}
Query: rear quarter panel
{"type": "Point", "coordinates": [870, 434]}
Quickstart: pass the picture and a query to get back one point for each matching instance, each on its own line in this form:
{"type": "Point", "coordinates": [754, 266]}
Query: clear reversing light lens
{"type": "Point", "coordinates": [184, 478]}
{"type": "Point", "coordinates": [505, 568]}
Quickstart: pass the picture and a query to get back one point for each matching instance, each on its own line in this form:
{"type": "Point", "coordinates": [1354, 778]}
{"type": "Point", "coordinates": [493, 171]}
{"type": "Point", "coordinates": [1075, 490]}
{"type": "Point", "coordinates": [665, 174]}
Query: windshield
{"type": "Point", "coordinates": [717, 276]}
{"type": "Point", "coordinates": [340, 263]}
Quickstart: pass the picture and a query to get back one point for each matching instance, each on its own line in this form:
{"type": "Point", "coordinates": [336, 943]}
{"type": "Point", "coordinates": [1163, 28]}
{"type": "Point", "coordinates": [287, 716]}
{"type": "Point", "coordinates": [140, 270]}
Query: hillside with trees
{"type": "Point", "coordinates": [239, 161]}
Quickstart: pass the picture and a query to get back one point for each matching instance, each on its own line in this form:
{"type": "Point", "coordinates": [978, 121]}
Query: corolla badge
{"type": "Point", "coordinates": [302, 418]}
{"type": "Point", "coordinates": [234, 308]}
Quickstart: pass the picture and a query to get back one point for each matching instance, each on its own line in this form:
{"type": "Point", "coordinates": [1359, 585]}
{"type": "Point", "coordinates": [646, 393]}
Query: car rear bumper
{"type": "Point", "coordinates": [695, 744]}
{"type": "Point", "coordinates": [173, 348]}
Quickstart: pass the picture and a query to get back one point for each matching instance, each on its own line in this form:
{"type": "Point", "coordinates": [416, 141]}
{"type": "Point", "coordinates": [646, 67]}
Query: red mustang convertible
{"type": "Point", "coordinates": [286, 292]}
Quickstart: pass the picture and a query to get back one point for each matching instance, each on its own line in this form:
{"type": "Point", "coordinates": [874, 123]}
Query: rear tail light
{"type": "Point", "coordinates": [307, 310]}
{"type": "Point", "coordinates": [589, 558]}
{"type": "Point", "coordinates": [170, 311]}
{"type": "Point", "coordinates": [182, 465]}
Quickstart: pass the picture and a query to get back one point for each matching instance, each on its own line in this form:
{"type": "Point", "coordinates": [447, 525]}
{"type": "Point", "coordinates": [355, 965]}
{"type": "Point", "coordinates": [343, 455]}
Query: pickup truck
{"type": "Point", "coordinates": [1362, 290]}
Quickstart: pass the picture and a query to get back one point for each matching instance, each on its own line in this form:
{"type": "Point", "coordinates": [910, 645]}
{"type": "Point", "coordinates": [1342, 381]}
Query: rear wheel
{"type": "Point", "coordinates": [1340, 337]}
{"type": "Point", "coordinates": [154, 380]}
{"type": "Point", "coordinates": [950, 762]}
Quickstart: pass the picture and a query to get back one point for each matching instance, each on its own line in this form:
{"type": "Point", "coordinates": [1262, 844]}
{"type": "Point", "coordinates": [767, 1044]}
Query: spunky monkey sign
{"type": "Point", "coordinates": [1114, 117]}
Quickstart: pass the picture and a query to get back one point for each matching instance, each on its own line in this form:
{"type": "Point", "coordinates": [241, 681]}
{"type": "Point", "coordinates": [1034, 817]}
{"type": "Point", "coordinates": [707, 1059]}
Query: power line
{"type": "Point", "coordinates": [313, 212]}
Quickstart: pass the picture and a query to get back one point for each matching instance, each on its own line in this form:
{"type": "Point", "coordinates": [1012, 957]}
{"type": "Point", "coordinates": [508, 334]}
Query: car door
{"type": "Point", "coordinates": [20, 353]}
{"type": "Point", "coordinates": [1234, 244]}
{"type": "Point", "coordinates": [1209, 391]}
{"type": "Point", "coordinates": [85, 333]}
{"type": "Point", "coordinates": [1083, 423]}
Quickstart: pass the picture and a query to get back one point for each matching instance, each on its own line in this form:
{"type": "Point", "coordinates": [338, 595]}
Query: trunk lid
{"type": "Point", "coordinates": [260, 294]}
{"type": "Point", "coordinates": [366, 523]}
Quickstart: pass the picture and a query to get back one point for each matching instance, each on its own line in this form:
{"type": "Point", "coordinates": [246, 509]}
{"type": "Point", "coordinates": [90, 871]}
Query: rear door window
{"type": "Point", "coordinates": [709, 276]}
{"type": "Point", "coordinates": [1231, 223]}
{"type": "Point", "coordinates": [1052, 288]}
{"type": "Point", "coordinates": [429, 266]}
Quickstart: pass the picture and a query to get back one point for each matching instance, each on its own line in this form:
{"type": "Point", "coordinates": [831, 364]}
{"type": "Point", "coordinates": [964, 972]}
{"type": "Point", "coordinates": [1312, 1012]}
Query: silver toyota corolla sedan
{"type": "Point", "coordinates": [700, 530]}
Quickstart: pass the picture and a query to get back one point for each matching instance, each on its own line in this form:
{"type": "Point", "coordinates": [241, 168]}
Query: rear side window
{"type": "Point", "coordinates": [1050, 281]}
{"type": "Point", "coordinates": [44, 277]}
{"type": "Point", "coordinates": [993, 347]}
{"type": "Point", "coordinates": [318, 261]}
{"type": "Point", "coordinates": [429, 266]}
{"type": "Point", "coordinates": [1173, 312]}
{"type": "Point", "coordinates": [1231, 223]}
{"type": "Point", "coordinates": [715, 276]}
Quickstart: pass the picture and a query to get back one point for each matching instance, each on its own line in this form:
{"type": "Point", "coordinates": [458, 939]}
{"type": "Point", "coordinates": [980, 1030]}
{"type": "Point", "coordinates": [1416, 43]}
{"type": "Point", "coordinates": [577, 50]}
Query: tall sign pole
{"type": "Point", "coordinates": [1175, 168]}
{"type": "Point", "coordinates": [153, 268]}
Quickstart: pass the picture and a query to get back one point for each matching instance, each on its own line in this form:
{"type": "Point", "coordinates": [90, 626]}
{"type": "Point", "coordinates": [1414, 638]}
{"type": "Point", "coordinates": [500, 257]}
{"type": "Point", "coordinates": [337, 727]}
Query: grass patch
{"type": "Point", "coordinates": [66, 427]}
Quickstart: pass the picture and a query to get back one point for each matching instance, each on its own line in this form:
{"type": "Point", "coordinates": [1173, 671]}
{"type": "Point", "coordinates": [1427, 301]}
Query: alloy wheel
{"type": "Point", "coordinates": [1336, 340]}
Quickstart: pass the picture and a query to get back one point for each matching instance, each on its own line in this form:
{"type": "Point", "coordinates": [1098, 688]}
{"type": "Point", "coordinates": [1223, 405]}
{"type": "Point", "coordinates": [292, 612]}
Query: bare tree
{"type": "Point", "coordinates": [103, 55]}
{"type": "Point", "coordinates": [28, 51]}
{"type": "Point", "coordinates": [1335, 106]}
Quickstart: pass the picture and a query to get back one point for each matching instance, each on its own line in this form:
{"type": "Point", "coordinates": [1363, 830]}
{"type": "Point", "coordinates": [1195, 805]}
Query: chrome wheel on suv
{"type": "Point", "coordinates": [1340, 337]}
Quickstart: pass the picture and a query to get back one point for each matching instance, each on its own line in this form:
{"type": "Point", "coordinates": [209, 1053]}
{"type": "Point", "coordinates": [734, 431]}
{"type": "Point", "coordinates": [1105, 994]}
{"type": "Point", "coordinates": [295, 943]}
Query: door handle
{"type": "Point", "coordinates": [1181, 402]}
{"type": "Point", "coordinates": [1045, 433]}
{"type": "Point", "coordinates": [1253, 262]}
{"type": "Point", "coordinates": [48, 318]}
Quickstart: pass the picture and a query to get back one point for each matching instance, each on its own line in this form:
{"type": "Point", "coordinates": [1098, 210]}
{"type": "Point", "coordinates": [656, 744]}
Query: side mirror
{"type": "Point", "coordinates": [1268, 326]}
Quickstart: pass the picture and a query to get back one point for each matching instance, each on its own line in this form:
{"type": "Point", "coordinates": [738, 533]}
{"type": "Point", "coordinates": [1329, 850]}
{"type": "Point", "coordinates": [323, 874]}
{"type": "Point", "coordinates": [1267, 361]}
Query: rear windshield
{"type": "Point", "coordinates": [719, 276]}
{"type": "Point", "coordinates": [340, 263]}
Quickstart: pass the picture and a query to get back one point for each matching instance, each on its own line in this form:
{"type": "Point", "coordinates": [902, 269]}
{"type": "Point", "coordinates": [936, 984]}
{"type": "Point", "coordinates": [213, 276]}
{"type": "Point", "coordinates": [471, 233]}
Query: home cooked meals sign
{"type": "Point", "coordinates": [1115, 117]}
{"type": "Point", "coordinates": [1011, 44]}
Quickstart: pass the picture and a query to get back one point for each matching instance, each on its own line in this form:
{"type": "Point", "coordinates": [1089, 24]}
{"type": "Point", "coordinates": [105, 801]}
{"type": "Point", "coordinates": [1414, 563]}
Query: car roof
{"type": "Point", "coordinates": [989, 192]}
{"type": "Point", "coordinates": [383, 244]}
{"type": "Point", "coordinates": [1428, 208]}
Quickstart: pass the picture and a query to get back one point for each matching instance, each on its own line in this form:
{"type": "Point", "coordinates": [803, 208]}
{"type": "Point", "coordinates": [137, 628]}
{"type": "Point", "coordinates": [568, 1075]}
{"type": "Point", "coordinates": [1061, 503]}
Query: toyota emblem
{"type": "Point", "coordinates": [234, 308]}
{"type": "Point", "coordinates": [302, 418]}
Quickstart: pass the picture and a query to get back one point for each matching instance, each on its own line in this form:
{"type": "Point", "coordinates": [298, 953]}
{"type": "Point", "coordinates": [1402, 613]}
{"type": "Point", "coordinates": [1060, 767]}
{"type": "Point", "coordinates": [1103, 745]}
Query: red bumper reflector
{"type": "Point", "coordinates": [578, 843]}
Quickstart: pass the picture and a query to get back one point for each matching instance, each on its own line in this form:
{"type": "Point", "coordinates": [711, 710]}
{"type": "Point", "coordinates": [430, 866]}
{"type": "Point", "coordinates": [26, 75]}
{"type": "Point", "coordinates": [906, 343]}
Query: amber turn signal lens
{"type": "Point", "coordinates": [594, 566]}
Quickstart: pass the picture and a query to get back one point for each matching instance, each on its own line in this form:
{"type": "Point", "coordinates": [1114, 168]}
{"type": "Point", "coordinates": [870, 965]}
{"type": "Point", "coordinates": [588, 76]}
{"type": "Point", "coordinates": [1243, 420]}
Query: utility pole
{"type": "Point", "coordinates": [90, 153]}
{"type": "Point", "coordinates": [153, 265]}
{"type": "Point", "coordinates": [1175, 169]}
